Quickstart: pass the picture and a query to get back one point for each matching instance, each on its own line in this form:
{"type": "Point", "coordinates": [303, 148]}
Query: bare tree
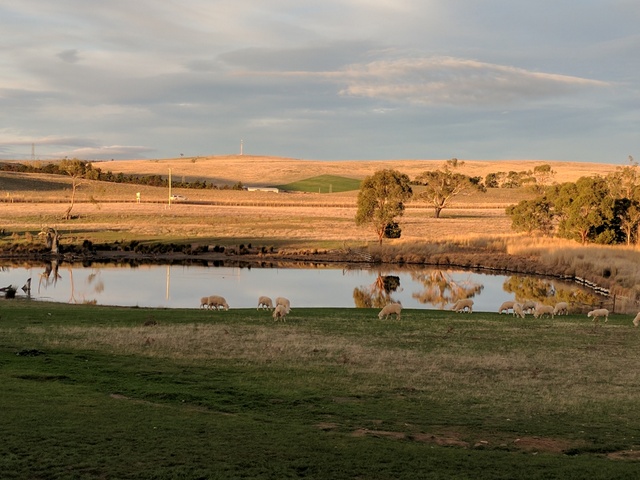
{"type": "Point", "coordinates": [76, 169]}
{"type": "Point", "coordinates": [52, 239]}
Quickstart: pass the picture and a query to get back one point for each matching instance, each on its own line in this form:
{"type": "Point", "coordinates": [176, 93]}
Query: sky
{"type": "Point", "coordinates": [321, 80]}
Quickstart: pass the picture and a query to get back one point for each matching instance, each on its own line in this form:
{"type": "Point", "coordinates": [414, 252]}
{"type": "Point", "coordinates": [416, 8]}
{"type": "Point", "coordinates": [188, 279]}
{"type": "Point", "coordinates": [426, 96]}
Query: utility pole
{"type": "Point", "coordinates": [169, 187]}
{"type": "Point", "coordinates": [241, 142]}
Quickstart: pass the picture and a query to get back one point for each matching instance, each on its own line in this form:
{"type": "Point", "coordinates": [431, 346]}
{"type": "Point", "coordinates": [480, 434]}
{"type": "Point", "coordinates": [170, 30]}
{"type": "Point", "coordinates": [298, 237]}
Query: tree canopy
{"type": "Point", "coordinates": [440, 186]}
{"type": "Point", "coordinates": [594, 209]}
{"type": "Point", "coordinates": [381, 199]}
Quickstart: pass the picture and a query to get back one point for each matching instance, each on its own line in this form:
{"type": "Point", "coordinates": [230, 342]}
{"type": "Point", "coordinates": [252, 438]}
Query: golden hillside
{"type": "Point", "coordinates": [263, 170]}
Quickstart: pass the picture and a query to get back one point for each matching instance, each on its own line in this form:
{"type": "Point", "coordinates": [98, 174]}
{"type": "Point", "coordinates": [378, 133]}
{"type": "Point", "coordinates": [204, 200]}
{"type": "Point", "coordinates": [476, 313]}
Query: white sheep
{"type": "Point", "coordinates": [517, 310]}
{"type": "Point", "coordinates": [462, 305]}
{"type": "Point", "coordinates": [217, 302]}
{"type": "Point", "coordinates": [284, 302]}
{"type": "Point", "coordinates": [265, 302]}
{"type": "Point", "coordinates": [561, 308]}
{"type": "Point", "coordinates": [280, 312]}
{"type": "Point", "coordinates": [204, 302]}
{"type": "Point", "coordinates": [528, 306]}
{"type": "Point", "coordinates": [597, 313]}
{"type": "Point", "coordinates": [390, 309]}
{"type": "Point", "coordinates": [542, 310]}
{"type": "Point", "coordinates": [506, 306]}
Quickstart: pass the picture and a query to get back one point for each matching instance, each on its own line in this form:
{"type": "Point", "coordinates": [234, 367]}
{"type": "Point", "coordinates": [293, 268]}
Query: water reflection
{"type": "Point", "coordinates": [441, 288]}
{"type": "Point", "coordinates": [182, 286]}
{"type": "Point", "coordinates": [378, 294]}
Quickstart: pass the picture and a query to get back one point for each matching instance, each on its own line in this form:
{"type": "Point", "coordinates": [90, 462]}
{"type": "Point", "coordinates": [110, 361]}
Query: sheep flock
{"type": "Point", "coordinates": [281, 307]}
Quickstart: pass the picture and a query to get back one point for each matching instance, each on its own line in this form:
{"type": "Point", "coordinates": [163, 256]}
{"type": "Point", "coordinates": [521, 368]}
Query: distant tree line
{"type": "Point", "coordinates": [87, 171]}
{"type": "Point", "coordinates": [596, 209]}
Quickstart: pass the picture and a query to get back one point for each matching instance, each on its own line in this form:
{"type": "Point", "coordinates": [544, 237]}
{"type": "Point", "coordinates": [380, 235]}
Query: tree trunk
{"type": "Point", "coordinates": [67, 213]}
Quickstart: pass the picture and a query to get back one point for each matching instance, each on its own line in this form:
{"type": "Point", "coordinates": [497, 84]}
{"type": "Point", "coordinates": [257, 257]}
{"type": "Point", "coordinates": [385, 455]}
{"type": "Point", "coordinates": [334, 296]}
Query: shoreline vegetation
{"type": "Point", "coordinates": [108, 223]}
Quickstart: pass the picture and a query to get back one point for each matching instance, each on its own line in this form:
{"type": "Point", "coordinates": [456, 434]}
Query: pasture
{"type": "Point", "coordinates": [323, 184]}
{"type": "Point", "coordinates": [95, 392]}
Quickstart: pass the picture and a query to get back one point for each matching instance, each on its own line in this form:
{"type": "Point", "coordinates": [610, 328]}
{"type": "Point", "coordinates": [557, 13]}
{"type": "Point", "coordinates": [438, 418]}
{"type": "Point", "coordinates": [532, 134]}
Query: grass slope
{"type": "Point", "coordinates": [323, 184]}
{"type": "Point", "coordinates": [96, 392]}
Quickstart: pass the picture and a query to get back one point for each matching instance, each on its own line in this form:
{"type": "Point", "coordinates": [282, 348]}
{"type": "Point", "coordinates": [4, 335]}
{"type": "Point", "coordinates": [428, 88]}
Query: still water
{"type": "Point", "coordinates": [178, 286]}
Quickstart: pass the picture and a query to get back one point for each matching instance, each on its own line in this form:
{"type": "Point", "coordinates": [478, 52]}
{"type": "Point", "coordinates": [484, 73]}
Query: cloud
{"type": "Point", "coordinates": [72, 147]}
{"type": "Point", "coordinates": [69, 56]}
{"type": "Point", "coordinates": [108, 152]}
{"type": "Point", "coordinates": [455, 81]}
{"type": "Point", "coordinates": [8, 138]}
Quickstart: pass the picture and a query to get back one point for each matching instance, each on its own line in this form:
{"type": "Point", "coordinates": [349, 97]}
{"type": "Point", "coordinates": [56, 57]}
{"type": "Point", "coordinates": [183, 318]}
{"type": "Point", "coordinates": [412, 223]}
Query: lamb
{"type": "Point", "coordinates": [506, 306]}
{"type": "Point", "coordinates": [280, 312]}
{"type": "Point", "coordinates": [217, 302]}
{"type": "Point", "coordinates": [636, 321]}
{"type": "Point", "coordinates": [528, 306]}
{"type": "Point", "coordinates": [265, 302]}
{"type": "Point", "coordinates": [284, 302]}
{"type": "Point", "coordinates": [390, 309]}
{"type": "Point", "coordinates": [597, 313]}
{"type": "Point", "coordinates": [561, 308]}
{"type": "Point", "coordinates": [462, 305]}
{"type": "Point", "coordinates": [542, 310]}
{"type": "Point", "coordinates": [517, 310]}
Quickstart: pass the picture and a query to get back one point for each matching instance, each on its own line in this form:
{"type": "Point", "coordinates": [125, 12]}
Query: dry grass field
{"type": "Point", "coordinates": [263, 170]}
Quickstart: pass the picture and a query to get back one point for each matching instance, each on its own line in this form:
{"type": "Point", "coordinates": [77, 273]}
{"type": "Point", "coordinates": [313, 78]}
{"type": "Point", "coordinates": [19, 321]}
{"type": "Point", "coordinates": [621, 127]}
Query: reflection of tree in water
{"type": "Point", "coordinates": [50, 275]}
{"type": "Point", "coordinates": [378, 294]}
{"type": "Point", "coordinates": [547, 291]}
{"type": "Point", "coordinates": [98, 287]}
{"type": "Point", "coordinates": [440, 288]}
{"type": "Point", "coordinates": [98, 284]}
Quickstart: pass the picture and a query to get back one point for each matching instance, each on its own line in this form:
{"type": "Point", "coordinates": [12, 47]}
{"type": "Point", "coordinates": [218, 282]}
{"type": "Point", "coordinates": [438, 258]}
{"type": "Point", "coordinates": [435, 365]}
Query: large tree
{"type": "Point", "coordinates": [586, 210]}
{"type": "Point", "coordinates": [381, 199]}
{"type": "Point", "coordinates": [441, 186]}
{"type": "Point", "coordinates": [531, 216]}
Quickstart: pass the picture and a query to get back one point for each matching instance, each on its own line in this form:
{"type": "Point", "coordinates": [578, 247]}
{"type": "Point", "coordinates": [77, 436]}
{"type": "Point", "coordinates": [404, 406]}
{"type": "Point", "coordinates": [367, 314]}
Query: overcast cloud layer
{"type": "Point", "coordinates": [326, 80]}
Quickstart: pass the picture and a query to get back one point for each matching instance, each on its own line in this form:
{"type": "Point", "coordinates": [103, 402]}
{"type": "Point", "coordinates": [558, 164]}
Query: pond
{"type": "Point", "coordinates": [182, 286]}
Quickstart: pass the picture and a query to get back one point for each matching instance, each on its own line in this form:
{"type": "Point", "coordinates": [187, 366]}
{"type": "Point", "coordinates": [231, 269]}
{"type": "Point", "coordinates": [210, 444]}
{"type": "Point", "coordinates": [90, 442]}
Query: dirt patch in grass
{"type": "Point", "coordinates": [543, 444]}
{"type": "Point", "coordinates": [452, 439]}
{"type": "Point", "coordinates": [625, 455]}
{"type": "Point", "coordinates": [445, 440]}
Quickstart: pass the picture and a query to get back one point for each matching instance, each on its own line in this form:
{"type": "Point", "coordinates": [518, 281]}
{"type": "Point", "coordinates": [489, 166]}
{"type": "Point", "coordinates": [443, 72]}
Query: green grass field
{"type": "Point", "coordinates": [323, 184]}
{"type": "Point", "coordinates": [98, 392]}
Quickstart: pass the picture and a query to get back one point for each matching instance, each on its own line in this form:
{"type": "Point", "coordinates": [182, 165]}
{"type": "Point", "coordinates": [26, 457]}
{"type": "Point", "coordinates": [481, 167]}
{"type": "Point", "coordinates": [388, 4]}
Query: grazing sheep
{"type": "Point", "coordinates": [528, 306]}
{"type": "Point", "coordinates": [542, 310]}
{"type": "Point", "coordinates": [265, 302]}
{"type": "Point", "coordinates": [280, 313]}
{"type": "Point", "coordinates": [506, 306]}
{"type": "Point", "coordinates": [636, 321]}
{"type": "Point", "coordinates": [597, 313]}
{"type": "Point", "coordinates": [390, 309]}
{"type": "Point", "coordinates": [204, 302]}
{"type": "Point", "coordinates": [561, 308]}
{"type": "Point", "coordinates": [217, 302]}
{"type": "Point", "coordinates": [284, 302]}
{"type": "Point", "coordinates": [462, 305]}
{"type": "Point", "coordinates": [517, 310]}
